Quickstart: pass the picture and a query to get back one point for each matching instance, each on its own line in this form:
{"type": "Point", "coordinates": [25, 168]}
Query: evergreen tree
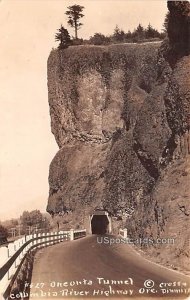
{"type": "Point", "coordinates": [165, 25]}
{"type": "Point", "coordinates": [139, 32]}
{"type": "Point", "coordinates": [178, 26]}
{"type": "Point", "coordinates": [74, 14]}
{"type": "Point", "coordinates": [119, 34]}
{"type": "Point", "coordinates": [63, 37]}
{"type": "Point", "coordinates": [151, 32]}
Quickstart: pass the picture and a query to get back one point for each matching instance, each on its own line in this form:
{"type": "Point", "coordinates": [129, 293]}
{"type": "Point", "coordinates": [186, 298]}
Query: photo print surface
{"type": "Point", "coordinates": [95, 149]}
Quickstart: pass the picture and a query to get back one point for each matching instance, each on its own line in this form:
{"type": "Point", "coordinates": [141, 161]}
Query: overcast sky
{"type": "Point", "coordinates": [27, 30]}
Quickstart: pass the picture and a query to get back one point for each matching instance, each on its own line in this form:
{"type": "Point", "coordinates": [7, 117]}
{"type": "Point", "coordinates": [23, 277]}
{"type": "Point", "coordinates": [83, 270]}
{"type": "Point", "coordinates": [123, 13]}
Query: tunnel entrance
{"type": "Point", "coordinates": [100, 222]}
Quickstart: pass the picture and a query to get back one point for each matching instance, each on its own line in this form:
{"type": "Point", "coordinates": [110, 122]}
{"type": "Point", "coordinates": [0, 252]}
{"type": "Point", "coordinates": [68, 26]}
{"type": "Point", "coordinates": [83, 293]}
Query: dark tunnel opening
{"type": "Point", "coordinates": [99, 224]}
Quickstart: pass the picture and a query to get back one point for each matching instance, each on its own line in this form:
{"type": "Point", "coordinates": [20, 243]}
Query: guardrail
{"type": "Point", "coordinates": [13, 256]}
{"type": "Point", "coordinates": [123, 232]}
{"type": "Point", "coordinates": [79, 234]}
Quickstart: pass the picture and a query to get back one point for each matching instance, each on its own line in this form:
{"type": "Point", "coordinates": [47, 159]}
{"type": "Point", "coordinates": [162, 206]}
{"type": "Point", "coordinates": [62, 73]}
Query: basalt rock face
{"type": "Point", "coordinates": [95, 95]}
{"type": "Point", "coordinates": [120, 116]}
{"type": "Point", "coordinates": [165, 119]}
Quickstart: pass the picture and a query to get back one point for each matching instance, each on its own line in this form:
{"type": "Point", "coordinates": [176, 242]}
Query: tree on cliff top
{"type": "Point", "coordinates": [178, 27]}
{"type": "Point", "coordinates": [63, 37]}
{"type": "Point", "coordinates": [140, 31]}
{"type": "Point", "coordinates": [118, 35]}
{"type": "Point", "coordinates": [151, 32]}
{"type": "Point", "coordinates": [99, 39]}
{"type": "Point", "coordinates": [74, 14]}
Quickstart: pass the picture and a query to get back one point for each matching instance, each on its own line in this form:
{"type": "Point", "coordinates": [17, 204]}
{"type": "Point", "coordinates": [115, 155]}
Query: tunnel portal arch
{"type": "Point", "coordinates": [100, 222]}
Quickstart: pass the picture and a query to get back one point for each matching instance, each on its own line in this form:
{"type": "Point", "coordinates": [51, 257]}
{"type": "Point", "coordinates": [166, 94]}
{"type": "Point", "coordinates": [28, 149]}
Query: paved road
{"type": "Point", "coordinates": [77, 266]}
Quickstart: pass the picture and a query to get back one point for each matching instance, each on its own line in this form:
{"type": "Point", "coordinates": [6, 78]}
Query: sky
{"type": "Point", "coordinates": [27, 32]}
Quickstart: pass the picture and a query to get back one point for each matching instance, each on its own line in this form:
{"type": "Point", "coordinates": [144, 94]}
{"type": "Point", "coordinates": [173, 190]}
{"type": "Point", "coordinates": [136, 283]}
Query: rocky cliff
{"type": "Point", "coordinates": [95, 95]}
{"type": "Point", "coordinates": [121, 117]}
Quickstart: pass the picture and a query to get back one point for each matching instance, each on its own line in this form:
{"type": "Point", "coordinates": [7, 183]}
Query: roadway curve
{"type": "Point", "coordinates": [87, 259]}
